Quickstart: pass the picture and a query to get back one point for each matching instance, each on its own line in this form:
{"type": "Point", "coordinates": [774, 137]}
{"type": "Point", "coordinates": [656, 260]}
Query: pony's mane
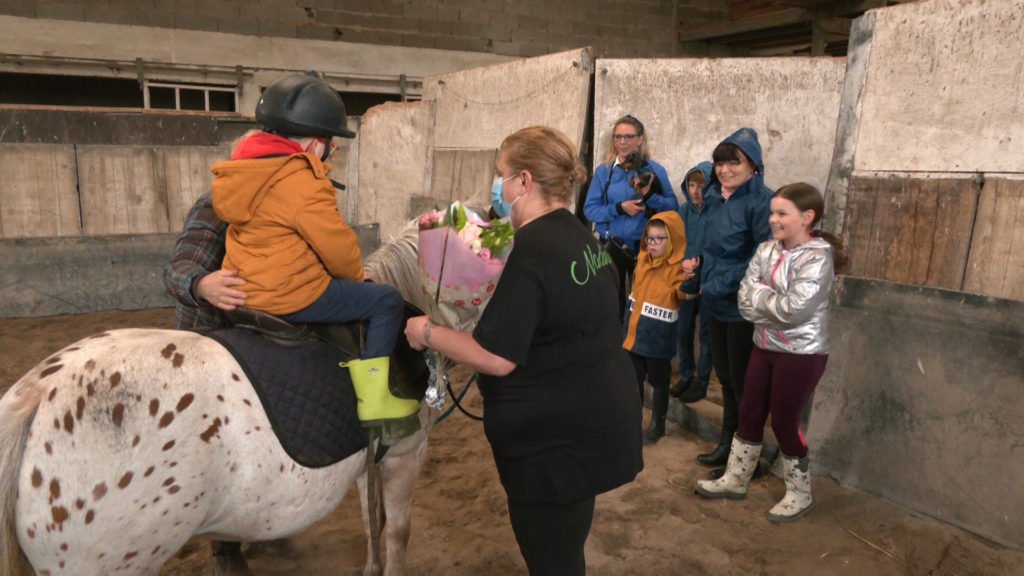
{"type": "Point", "coordinates": [396, 263]}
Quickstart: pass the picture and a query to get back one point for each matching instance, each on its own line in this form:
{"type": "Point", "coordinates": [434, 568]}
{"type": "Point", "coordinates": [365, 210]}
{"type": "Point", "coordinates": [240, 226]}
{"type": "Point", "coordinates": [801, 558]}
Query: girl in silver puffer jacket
{"type": "Point", "coordinates": [785, 293]}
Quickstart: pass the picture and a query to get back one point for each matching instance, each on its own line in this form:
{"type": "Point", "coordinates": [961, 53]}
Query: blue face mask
{"type": "Point", "coordinates": [501, 208]}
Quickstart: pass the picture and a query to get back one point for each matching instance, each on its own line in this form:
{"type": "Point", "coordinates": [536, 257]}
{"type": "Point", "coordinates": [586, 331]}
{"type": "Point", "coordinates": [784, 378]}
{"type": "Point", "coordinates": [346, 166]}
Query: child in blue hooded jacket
{"type": "Point", "coordinates": [693, 375]}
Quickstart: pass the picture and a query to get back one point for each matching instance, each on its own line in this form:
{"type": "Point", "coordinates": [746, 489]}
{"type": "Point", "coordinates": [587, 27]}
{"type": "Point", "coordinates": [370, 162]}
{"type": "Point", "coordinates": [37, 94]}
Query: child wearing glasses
{"type": "Point", "coordinates": [298, 258]}
{"type": "Point", "coordinates": [653, 311]}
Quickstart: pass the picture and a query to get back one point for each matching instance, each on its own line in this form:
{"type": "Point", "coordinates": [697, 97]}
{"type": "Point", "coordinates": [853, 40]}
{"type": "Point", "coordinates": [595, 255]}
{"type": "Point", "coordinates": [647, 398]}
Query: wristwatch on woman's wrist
{"type": "Point", "coordinates": [427, 329]}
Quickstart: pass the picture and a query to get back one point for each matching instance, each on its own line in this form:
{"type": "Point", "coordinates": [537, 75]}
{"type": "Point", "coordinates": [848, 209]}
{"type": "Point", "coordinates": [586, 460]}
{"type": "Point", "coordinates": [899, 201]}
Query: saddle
{"type": "Point", "coordinates": [307, 397]}
{"type": "Point", "coordinates": [408, 375]}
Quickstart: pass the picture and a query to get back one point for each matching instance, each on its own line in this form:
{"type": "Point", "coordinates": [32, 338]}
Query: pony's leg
{"type": "Point", "coordinates": [373, 568]}
{"type": "Point", "coordinates": [400, 475]}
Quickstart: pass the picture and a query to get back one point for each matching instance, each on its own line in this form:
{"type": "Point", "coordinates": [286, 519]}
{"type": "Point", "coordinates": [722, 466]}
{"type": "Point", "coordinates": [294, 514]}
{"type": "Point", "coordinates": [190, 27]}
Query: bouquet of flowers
{"type": "Point", "coordinates": [461, 256]}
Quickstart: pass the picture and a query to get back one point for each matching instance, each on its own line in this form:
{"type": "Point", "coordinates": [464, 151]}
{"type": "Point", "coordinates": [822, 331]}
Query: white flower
{"type": "Point", "coordinates": [470, 233]}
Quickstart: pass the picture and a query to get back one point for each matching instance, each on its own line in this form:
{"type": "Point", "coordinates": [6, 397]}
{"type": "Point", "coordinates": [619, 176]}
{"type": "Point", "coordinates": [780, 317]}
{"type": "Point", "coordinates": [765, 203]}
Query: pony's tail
{"type": "Point", "coordinates": [17, 410]}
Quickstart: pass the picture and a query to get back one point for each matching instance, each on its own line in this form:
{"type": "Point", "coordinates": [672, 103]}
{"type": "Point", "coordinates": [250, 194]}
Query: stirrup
{"type": "Point", "coordinates": [395, 430]}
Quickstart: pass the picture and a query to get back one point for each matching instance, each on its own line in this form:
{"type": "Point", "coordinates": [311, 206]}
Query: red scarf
{"type": "Point", "coordinates": [263, 144]}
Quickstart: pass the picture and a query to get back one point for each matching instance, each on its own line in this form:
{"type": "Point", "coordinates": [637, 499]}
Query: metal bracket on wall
{"type": "Point", "coordinates": [140, 73]}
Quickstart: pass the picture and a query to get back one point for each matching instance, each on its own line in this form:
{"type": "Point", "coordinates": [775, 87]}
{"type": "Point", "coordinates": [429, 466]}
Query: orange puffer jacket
{"type": "Point", "coordinates": [285, 237]}
{"type": "Point", "coordinates": [654, 303]}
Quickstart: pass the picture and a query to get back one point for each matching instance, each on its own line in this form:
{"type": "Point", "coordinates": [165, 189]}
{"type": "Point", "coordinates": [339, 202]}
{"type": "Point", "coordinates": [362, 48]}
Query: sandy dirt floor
{"type": "Point", "coordinates": [656, 525]}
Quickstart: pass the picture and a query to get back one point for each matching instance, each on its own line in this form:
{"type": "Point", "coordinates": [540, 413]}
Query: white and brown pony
{"type": "Point", "coordinates": [118, 449]}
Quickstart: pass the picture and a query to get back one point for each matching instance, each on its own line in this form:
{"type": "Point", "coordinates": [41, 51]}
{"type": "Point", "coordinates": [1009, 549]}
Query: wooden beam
{"type": "Point", "coordinates": [780, 18]}
{"type": "Point", "coordinates": [817, 38]}
{"type": "Point", "coordinates": [833, 25]}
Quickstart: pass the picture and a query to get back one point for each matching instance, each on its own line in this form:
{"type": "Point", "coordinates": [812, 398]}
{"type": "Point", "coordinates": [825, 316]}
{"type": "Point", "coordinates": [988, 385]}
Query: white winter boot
{"type": "Point", "coordinates": [733, 484]}
{"type": "Point", "coordinates": [797, 500]}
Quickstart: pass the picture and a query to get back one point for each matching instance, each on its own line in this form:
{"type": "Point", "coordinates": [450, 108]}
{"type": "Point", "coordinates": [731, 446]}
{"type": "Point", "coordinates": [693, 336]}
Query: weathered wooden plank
{"type": "Point", "coordinates": [860, 211]}
{"type": "Point", "coordinates": [141, 190]}
{"type": "Point", "coordinates": [893, 234]}
{"type": "Point", "coordinates": [910, 230]}
{"type": "Point", "coordinates": [955, 216]}
{"type": "Point", "coordinates": [187, 176]}
{"type": "Point", "coordinates": [119, 193]}
{"type": "Point", "coordinates": [38, 197]}
{"type": "Point", "coordinates": [917, 249]}
{"type": "Point", "coordinates": [996, 262]}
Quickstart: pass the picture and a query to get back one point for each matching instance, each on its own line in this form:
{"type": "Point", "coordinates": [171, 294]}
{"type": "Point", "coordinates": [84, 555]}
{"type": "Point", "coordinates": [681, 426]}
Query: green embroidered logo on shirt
{"type": "Point", "coordinates": [594, 262]}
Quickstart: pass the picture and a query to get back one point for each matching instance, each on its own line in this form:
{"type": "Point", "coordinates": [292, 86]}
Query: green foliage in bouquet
{"type": "Point", "coordinates": [498, 237]}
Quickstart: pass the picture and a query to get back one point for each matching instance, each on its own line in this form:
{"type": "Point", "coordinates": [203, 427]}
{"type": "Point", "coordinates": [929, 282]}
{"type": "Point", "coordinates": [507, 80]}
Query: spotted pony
{"type": "Point", "coordinates": [118, 449]}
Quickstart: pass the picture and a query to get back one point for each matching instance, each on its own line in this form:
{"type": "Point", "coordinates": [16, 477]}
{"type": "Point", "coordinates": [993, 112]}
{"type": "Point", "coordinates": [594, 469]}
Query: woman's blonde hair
{"type": "Point", "coordinates": [549, 155]}
{"type": "Point", "coordinates": [610, 154]}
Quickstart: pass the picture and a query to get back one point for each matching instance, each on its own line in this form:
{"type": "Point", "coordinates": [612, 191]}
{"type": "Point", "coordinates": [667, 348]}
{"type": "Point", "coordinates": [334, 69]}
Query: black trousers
{"type": "Point", "coordinates": [625, 282]}
{"type": "Point", "coordinates": [551, 537]}
{"type": "Point", "coordinates": [657, 371]}
{"type": "Point", "coordinates": [731, 345]}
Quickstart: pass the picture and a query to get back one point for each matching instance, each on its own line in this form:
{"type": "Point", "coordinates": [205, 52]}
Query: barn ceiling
{"type": "Point", "coordinates": [773, 27]}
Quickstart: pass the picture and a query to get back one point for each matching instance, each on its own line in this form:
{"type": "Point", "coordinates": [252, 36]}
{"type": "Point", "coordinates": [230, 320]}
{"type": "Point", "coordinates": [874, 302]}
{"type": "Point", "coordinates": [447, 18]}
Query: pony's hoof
{"type": "Point", "coordinates": [231, 565]}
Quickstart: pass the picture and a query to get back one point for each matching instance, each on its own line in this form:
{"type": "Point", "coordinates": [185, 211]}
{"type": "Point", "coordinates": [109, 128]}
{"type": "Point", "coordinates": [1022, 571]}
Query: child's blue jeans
{"type": "Point", "coordinates": [688, 313]}
{"type": "Point", "coordinates": [349, 300]}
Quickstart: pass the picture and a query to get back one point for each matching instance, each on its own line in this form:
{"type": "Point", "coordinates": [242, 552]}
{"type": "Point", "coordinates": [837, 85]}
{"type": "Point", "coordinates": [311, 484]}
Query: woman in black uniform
{"type": "Point", "coordinates": [560, 406]}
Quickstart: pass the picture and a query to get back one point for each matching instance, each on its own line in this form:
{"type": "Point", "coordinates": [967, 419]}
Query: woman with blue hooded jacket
{"type": "Point", "coordinates": [738, 205]}
{"type": "Point", "coordinates": [615, 203]}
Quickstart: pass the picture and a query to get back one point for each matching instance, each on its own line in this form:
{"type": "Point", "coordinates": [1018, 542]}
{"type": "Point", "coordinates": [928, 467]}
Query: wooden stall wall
{"type": "Point", "coordinates": [68, 190]}
{"type": "Point", "coordinates": [996, 263]}
{"type": "Point", "coordinates": [963, 234]}
{"type": "Point", "coordinates": [38, 191]}
{"type": "Point", "coordinates": [910, 230]}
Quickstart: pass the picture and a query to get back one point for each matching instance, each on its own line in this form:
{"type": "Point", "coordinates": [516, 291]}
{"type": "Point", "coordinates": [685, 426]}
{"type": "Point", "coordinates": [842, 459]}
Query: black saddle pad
{"type": "Point", "coordinates": [308, 398]}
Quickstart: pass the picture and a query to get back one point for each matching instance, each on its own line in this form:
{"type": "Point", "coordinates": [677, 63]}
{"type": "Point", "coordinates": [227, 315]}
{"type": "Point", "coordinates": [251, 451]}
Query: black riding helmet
{"type": "Point", "coordinates": [303, 105]}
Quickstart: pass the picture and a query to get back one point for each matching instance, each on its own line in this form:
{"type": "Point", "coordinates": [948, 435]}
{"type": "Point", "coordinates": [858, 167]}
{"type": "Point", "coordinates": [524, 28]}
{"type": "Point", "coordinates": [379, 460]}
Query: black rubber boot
{"type": "Point", "coordinates": [717, 457]}
{"type": "Point", "coordinates": [655, 430]}
{"type": "Point", "coordinates": [720, 455]}
{"type": "Point", "coordinates": [695, 392]}
{"type": "Point", "coordinates": [680, 387]}
{"type": "Point", "coordinates": [659, 410]}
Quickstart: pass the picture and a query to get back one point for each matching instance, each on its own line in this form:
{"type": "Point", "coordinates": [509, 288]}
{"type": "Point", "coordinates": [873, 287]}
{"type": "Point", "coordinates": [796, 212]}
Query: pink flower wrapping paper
{"type": "Point", "coordinates": [467, 279]}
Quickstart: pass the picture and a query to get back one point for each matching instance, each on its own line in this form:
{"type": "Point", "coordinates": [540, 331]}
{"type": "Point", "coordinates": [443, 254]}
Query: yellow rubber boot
{"type": "Point", "coordinates": [376, 403]}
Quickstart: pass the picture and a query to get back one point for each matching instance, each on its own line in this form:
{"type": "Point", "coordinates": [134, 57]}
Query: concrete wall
{"type": "Point", "coordinates": [84, 48]}
{"type": "Point", "coordinates": [689, 105]}
{"type": "Point", "coordinates": [425, 154]}
{"type": "Point", "coordinates": [477, 108]}
{"type": "Point", "coordinates": [393, 163]}
{"type": "Point", "coordinates": [922, 399]}
{"type": "Point", "coordinates": [927, 173]}
{"type": "Point", "coordinates": [921, 403]}
{"type": "Point", "coordinates": [514, 28]}
{"type": "Point", "coordinates": [48, 276]}
{"type": "Point", "coordinates": [943, 91]}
